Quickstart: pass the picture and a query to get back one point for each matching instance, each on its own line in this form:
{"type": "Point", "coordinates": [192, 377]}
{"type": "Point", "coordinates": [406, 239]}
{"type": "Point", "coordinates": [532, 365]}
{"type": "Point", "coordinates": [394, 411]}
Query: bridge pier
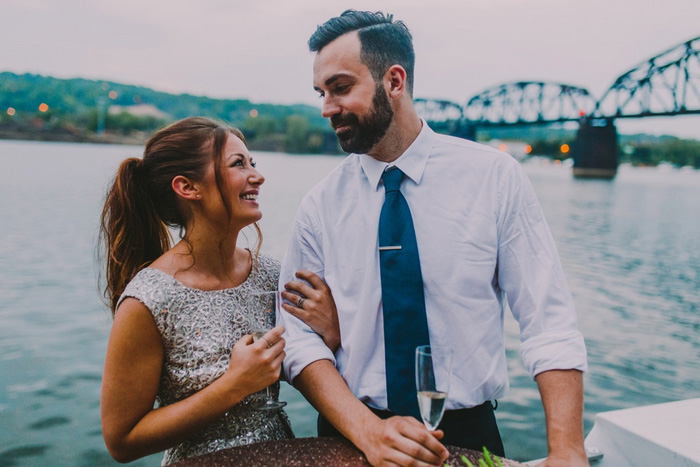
{"type": "Point", "coordinates": [595, 150]}
{"type": "Point", "coordinates": [466, 130]}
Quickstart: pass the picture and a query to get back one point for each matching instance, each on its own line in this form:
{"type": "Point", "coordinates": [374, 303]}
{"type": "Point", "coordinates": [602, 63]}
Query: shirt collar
{"type": "Point", "coordinates": [411, 162]}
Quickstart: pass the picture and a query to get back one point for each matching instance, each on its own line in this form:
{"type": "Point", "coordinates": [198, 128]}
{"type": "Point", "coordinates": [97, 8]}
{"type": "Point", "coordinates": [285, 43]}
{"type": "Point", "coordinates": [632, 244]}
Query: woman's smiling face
{"type": "Point", "coordinates": [240, 184]}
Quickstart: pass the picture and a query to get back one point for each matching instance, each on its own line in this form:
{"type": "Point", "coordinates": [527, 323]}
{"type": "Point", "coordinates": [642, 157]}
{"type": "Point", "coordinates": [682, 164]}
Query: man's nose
{"type": "Point", "coordinates": [330, 107]}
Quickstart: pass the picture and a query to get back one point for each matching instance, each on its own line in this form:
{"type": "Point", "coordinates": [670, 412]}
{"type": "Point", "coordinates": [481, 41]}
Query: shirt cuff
{"type": "Point", "coordinates": [554, 351]}
{"type": "Point", "coordinates": [302, 351]}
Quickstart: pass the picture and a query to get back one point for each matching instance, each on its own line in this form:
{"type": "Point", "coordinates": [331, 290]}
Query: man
{"type": "Point", "coordinates": [480, 236]}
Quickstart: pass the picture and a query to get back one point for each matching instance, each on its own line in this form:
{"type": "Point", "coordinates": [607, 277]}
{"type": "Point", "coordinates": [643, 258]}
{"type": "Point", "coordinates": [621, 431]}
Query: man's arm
{"type": "Point", "coordinates": [562, 399]}
{"type": "Point", "coordinates": [395, 441]}
{"type": "Point", "coordinates": [552, 348]}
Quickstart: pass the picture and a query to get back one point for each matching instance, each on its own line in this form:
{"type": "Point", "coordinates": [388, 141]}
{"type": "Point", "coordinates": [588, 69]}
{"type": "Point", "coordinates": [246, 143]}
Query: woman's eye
{"type": "Point", "coordinates": [253, 164]}
{"type": "Point", "coordinates": [237, 163]}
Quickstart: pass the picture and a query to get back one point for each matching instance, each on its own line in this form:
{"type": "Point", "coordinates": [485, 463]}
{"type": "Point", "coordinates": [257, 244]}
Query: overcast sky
{"type": "Point", "coordinates": [256, 49]}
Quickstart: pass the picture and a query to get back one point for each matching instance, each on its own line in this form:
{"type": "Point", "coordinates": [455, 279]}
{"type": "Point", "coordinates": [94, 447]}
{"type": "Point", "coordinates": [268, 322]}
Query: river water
{"type": "Point", "coordinates": [630, 249]}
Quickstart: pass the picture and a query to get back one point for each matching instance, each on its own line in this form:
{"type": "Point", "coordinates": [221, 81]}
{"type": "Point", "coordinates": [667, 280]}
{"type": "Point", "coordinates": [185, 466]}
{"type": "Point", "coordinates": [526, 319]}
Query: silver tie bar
{"type": "Point", "coordinates": [385, 248]}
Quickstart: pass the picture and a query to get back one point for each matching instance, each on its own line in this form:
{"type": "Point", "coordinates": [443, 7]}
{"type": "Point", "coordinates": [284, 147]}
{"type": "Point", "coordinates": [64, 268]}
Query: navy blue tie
{"type": "Point", "coordinates": [403, 302]}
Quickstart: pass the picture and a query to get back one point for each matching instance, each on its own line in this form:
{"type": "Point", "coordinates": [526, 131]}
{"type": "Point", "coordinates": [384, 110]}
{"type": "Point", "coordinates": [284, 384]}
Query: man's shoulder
{"type": "Point", "coordinates": [336, 179]}
{"type": "Point", "coordinates": [461, 145]}
{"type": "Point", "coordinates": [467, 152]}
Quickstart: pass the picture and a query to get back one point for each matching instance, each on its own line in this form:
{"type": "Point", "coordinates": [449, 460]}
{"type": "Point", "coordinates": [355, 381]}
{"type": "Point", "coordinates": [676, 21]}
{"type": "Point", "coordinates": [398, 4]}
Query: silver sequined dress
{"type": "Point", "coordinates": [199, 329]}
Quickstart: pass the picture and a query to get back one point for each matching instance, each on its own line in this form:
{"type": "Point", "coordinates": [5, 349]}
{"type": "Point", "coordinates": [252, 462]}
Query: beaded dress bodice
{"type": "Point", "coordinates": [199, 329]}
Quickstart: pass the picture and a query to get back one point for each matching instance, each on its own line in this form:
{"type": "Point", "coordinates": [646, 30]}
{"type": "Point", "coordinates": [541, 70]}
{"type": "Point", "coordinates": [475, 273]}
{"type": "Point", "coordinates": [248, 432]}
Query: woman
{"type": "Point", "coordinates": [181, 336]}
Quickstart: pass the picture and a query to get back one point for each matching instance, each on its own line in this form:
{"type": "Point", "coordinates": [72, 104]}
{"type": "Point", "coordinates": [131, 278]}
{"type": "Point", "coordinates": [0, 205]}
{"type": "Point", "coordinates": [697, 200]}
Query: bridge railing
{"type": "Point", "coordinates": [665, 85]}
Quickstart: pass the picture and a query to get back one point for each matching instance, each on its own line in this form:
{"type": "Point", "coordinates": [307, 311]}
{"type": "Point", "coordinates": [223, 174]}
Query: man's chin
{"type": "Point", "coordinates": [350, 143]}
{"type": "Point", "coordinates": [346, 140]}
{"type": "Point", "coordinates": [346, 145]}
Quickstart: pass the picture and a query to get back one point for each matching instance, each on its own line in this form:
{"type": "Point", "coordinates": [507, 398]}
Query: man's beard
{"type": "Point", "coordinates": [361, 135]}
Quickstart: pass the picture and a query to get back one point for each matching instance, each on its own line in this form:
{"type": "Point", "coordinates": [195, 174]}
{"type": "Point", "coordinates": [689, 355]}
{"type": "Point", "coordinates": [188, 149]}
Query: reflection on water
{"type": "Point", "coordinates": [629, 249]}
{"type": "Point", "coordinates": [632, 259]}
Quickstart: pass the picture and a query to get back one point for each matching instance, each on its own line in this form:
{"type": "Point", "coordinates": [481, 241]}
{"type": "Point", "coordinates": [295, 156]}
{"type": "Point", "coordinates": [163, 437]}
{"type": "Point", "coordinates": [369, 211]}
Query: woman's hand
{"type": "Point", "coordinates": [131, 427]}
{"type": "Point", "coordinates": [256, 365]}
{"type": "Point", "coordinates": [315, 306]}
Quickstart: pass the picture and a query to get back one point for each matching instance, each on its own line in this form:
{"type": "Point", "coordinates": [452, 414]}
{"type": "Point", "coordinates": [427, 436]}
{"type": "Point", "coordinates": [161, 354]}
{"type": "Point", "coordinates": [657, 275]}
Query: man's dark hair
{"type": "Point", "coordinates": [384, 42]}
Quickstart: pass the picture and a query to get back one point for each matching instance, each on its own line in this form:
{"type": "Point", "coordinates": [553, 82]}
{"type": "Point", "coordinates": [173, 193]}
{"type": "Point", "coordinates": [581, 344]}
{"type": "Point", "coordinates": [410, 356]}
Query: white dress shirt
{"type": "Point", "coordinates": [482, 239]}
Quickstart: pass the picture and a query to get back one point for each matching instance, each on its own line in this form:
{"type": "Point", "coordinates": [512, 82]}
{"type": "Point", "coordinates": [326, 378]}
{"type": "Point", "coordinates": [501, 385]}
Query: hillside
{"type": "Point", "coordinates": [39, 107]}
{"type": "Point", "coordinates": [43, 107]}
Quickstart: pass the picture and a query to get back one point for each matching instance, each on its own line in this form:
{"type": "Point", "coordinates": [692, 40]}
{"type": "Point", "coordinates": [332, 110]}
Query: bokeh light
{"type": "Point", "coordinates": [10, 111]}
{"type": "Point", "coordinates": [43, 107]}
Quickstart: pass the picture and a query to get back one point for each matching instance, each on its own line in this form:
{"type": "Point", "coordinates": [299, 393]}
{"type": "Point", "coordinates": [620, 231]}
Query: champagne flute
{"type": "Point", "coordinates": [433, 373]}
{"type": "Point", "coordinates": [262, 307]}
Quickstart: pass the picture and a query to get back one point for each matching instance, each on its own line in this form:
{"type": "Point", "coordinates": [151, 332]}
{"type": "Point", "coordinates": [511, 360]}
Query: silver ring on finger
{"type": "Point", "coordinates": [268, 342]}
{"type": "Point", "coordinates": [300, 302]}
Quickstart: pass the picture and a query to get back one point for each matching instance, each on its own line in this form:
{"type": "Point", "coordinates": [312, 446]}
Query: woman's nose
{"type": "Point", "coordinates": [256, 178]}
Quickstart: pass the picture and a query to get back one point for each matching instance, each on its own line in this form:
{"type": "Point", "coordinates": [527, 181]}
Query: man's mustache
{"type": "Point", "coordinates": [344, 119]}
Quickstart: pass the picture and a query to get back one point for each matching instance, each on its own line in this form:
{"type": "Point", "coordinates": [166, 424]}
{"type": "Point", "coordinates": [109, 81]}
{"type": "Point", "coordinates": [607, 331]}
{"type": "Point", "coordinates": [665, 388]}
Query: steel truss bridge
{"type": "Point", "coordinates": [667, 84]}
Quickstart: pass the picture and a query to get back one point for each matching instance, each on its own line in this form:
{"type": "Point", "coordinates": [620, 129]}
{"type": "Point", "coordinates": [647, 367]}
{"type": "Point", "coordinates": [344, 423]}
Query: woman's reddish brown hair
{"type": "Point", "coordinates": [141, 205]}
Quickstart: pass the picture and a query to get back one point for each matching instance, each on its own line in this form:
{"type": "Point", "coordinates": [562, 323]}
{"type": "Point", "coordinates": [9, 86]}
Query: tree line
{"type": "Point", "coordinates": [40, 107]}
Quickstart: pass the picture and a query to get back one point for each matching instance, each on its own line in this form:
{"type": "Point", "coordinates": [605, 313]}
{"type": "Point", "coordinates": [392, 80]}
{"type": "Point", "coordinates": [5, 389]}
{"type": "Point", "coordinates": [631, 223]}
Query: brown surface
{"type": "Point", "coordinates": [305, 452]}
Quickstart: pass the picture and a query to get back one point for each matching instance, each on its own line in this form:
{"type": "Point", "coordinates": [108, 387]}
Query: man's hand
{"type": "Point", "coordinates": [402, 441]}
{"type": "Point", "coordinates": [391, 442]}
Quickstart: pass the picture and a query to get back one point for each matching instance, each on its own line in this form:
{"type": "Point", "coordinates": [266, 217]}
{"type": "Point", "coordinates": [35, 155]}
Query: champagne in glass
{"type": "Point", "coordinates": [432, 407]}
{"type": "Point", "coordinates": [433, 372]}
{"type": "Point", "coordinates": [262, 307]}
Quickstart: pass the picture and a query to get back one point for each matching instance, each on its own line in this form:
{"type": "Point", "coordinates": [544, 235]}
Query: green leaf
{"type": "Point", "coordinates": [487, 455]}
{"type": "Point", "coordinates": [466, 461]}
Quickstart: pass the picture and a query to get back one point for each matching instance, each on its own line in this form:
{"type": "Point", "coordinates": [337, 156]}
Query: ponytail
{"type": "Point", "coordinates": [133, 234]}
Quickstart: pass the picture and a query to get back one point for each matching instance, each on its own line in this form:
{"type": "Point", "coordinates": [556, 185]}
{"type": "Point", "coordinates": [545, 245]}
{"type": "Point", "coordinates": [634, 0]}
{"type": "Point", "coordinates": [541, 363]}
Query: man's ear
{"type": "Point", "coordinates": [184, 188]}
{"type": "Point", "coordinates": [396, 78]}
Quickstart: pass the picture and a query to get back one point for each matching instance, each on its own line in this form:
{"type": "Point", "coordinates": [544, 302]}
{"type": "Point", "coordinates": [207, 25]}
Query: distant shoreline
{"type": "Point", "coordinates": [64, 136]}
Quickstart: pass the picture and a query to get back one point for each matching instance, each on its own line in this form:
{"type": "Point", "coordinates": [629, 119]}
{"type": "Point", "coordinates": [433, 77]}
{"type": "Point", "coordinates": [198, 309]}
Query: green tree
{"type": "Point", "coordinates": [297, 134]}
{"type": "Point", "coordinates": [260, 127]}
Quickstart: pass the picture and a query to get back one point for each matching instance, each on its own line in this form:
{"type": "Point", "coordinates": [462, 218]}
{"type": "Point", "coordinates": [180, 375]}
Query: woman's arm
{"type": "Point", "coordinates": [318, 309]}
{"type": "Point", "coordinates": [131, 427]}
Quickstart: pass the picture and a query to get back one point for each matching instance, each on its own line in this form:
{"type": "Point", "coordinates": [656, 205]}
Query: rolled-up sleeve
{"type": "Point", "coordinates": [303, 345]}
{"type": "Point", "coordinates": [530, 273]}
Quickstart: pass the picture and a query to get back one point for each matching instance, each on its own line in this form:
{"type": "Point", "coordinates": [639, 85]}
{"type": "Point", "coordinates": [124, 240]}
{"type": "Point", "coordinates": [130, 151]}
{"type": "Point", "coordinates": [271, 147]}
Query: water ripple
{"type": "Point", "coordinates": [11, 457]}
{"type": "Point", "coordinates": [49, 423]}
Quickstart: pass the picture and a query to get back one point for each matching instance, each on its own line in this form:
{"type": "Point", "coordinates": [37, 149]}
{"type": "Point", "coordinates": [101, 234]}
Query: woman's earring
{"type": "Point", "coordinates": [198, 196]}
